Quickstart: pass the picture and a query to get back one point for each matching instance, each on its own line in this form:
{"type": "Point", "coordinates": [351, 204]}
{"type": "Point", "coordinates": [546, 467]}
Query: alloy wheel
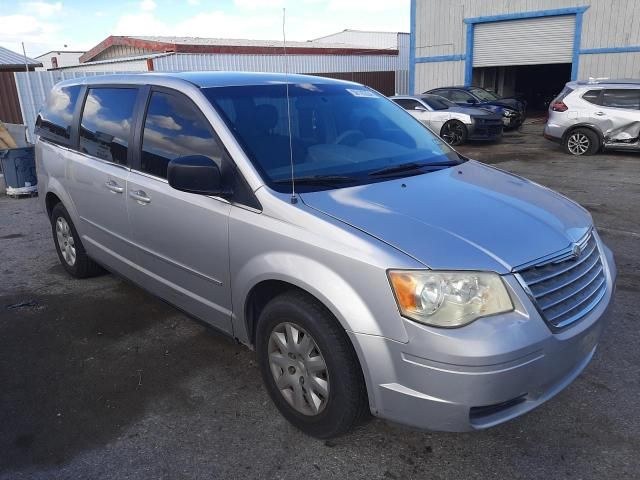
{"type": "Point", "coordinates": [298, 368]}
{"type": "Point", "coordinates": [65, 240]}
{"type": "Point", "coordinates": [578, 143]}
{"type": "Point", "coordinates": [452, 133]}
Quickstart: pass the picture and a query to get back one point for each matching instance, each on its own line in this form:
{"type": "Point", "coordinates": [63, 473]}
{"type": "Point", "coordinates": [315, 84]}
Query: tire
{"type": "Point", "coordinates": [70, 250]}
{"type": "Point", "coordinates": [581, 141]}
{"type": "Point", "coordinates": [454, 132]}
{"type": "Point", "coordinates": [322, 416]}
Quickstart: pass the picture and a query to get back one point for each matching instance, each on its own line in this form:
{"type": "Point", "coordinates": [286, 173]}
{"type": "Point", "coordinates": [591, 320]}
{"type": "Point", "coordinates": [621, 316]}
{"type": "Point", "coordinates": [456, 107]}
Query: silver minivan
{"type": "Point", "coordinates": [371, 266]}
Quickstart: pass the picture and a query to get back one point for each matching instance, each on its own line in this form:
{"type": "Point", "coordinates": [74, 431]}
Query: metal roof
{"type": "Point", "coordinates": [9, 58]}
{"type": "Point", "coordinates": [117, 60]}
{"type": "Point", "coordinates": [241, 42]}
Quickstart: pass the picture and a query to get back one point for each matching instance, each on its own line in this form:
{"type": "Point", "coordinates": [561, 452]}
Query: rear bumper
{"type": "Point", "coordinates": [471, 378]}
{"type": "Point", "coordinates": [553, 132]}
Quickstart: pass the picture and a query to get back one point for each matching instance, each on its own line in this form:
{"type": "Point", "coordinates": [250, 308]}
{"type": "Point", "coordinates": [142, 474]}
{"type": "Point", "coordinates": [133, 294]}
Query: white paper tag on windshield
{"type": "Point", "coordinates": [361, 93]}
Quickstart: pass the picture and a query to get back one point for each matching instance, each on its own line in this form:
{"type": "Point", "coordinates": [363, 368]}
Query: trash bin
{"type": "Point", "coordinates": [19, 168]}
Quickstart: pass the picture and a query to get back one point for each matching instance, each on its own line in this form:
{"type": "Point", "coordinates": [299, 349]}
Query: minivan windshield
{"type": "Point", "coordinates": [341, 135]}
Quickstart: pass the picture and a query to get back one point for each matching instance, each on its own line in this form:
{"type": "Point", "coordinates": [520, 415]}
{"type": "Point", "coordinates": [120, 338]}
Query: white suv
{"type": "Point", "coordinates": [589, 116]}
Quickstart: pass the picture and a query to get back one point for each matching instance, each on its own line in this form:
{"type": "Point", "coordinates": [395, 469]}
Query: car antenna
{"type": "Point", "coordinates": [294, 199]}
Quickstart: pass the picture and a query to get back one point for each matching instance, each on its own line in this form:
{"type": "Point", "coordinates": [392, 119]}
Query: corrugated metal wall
{"type": "Point", "coordinates": [117, 51]}
{"type": "Point", "coordinates": [275, 63]}
{"type": "Point", "coordinates": [130, 66]}
{"type": "Point", "coordinates": [440, 30]}
{"type": "Point", "coordinates": [383, 82]}
{"type": "Point", "coordinates": [9, 101]}
{"type": "Point", "coordinates": [357, 37]}
{"type": "Point", "coordinates": [438, 74]}
{"type": "Point", "coordinates": [625, 65]}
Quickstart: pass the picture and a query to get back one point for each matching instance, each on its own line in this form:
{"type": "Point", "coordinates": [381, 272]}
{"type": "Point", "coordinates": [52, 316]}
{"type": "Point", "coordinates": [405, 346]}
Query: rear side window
{"type": "Point", "coordinates": [592, 96]}
{"type": "Point", "coordinates": [622, 98]}
{"type": "Point", "coordinates": [107, 120]}
{"type": "Point", "coordinates": [561, 96]}
{"type": "Point", "coordinates": [55, 119]}
{"type": "Point", "coordinates": [407, 103]}
{"type": "Point", "coordinates": [174, 128]}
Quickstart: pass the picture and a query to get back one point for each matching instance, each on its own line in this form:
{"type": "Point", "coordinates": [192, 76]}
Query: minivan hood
{"type": "Point", "coordinates": [467, 217]}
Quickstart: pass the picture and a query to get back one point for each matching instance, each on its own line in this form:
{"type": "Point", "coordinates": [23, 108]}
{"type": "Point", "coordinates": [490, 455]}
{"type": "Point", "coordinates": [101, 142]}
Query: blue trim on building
{"type": "Point", "coordinates": [575, 60]}
{"type": "Point", "coordinates": [440, 58]}
{"type": "Point", "coordinates": [412, 49]}
{"type": "Point", "coordinates": [589, 51]}
{"type": "Point", "coordinates": [519, 15]}
{"type": "Point", "coordinates": [468, 55]}
{"type": "Point", "coordinates": [468, 64]}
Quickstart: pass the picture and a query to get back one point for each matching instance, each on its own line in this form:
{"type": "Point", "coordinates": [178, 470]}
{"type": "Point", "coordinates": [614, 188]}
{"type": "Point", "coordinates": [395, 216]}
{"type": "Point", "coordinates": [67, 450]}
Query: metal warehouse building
{"type": "Point", "coordinates": [522, 47]}
{"type": "Point", "coordinates": [377, 59]}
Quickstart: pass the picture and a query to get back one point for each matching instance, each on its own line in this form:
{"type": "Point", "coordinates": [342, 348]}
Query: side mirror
{"type": "Point", "coordinates": [196, 174]}
{"type": "Point", "coordinates": [472, 101]}
{"type": "Point", "coordinates": [419, 109]}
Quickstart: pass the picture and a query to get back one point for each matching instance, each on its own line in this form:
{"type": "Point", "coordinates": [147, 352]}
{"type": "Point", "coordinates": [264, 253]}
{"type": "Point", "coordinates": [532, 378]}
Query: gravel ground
{"type": "Point", "coordinates": [100, 380]}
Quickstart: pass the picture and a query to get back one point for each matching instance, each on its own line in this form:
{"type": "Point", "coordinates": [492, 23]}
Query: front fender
{"type": "Point", "coordinates": [316, 278]}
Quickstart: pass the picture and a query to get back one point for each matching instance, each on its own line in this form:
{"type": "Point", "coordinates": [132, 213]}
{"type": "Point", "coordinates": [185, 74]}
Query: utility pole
{"type": "Point", "coordinates": [26, 62]}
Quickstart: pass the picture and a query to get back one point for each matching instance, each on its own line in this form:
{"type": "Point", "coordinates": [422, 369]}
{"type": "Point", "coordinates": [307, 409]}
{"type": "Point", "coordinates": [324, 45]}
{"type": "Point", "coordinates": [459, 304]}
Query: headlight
{"type": "Point", "coordinates": [449, 299]}
{"type": "Point", "coordinates": [508, 113]}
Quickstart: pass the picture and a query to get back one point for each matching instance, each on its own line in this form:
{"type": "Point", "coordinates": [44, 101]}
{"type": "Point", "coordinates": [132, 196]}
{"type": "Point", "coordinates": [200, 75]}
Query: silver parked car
{"type": "Point", "coordinates": [372, 267]}
{"type": "Point", "coordinates": [455, 124]}
{"type": "Point", "coordinates": [599, 114]}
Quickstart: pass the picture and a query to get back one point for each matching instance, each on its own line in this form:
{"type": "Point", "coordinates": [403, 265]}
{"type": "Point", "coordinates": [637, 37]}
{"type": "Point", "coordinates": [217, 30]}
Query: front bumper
{"type": "Point", "coordinates": [481, 375]}
{"type": "Point", "coordinates": [485, 130]}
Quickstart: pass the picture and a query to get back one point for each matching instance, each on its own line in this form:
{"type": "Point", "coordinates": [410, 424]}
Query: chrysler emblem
{"type": "Point", "coordinates": [576, 251]}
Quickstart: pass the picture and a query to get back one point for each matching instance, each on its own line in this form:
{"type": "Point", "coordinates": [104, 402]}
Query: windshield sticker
{"type": "Point", "coordinates": [361, 93]}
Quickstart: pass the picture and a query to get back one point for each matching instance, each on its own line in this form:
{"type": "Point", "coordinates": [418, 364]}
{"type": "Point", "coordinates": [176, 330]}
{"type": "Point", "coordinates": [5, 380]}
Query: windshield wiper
{"type": "Point", "coordinates": [407, 167]}
{"type": "Point", "coordinates": [318, 180]}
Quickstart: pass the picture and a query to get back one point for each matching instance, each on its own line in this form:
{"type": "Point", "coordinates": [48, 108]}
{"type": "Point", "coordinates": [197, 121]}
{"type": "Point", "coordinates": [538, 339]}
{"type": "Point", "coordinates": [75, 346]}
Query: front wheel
{"type": "Point", "coordinates": [454, 132]}
{"type": "Point", "coordinates": [581, 141]}
{"type": "Point", "coordinates": [309, 366]}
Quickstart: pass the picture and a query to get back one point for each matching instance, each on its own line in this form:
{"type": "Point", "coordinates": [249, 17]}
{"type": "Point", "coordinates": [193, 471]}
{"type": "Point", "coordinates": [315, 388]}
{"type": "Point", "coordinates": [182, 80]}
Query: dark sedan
{"type": "Point", "coordinates": [512, 110]}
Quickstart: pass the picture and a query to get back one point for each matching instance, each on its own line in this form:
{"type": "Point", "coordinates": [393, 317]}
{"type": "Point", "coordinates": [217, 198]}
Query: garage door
{"type": "Point", "coordinates": [529, 41]}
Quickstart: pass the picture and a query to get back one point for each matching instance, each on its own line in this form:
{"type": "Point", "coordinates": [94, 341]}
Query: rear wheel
{"type": "Point", "coordinates": [454, 132]}
{"type": "Point", "coordinates": [581, 141]}
{"type": "Point", "coordinates": [71, 253]}
{"type": "Point", "coordinates": [309, 366]}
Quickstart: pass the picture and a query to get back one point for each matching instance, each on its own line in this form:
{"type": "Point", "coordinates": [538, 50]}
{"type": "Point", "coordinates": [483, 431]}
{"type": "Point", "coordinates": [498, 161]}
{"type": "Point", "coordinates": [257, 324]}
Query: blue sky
{"type": "Point", "coordinates": [81, 24]}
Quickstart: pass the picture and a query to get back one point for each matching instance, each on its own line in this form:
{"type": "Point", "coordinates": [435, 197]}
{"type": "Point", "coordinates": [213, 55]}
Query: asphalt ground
{"type": "Point", "coordinates": [99, 380]}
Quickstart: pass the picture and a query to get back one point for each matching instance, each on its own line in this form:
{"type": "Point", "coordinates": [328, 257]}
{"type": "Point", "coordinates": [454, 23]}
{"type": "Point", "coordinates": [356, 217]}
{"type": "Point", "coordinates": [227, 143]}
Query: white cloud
{"type": "Point", "coordinates": [38, 35]}
{"type": "Point", "coordinates": [42, 9]}
{"type": "Point", "coordinates": [265, 23]}
{"type": "Point", "coordinates": [148, 5]}
{"type": "Point", "coordinates": [193, 3]}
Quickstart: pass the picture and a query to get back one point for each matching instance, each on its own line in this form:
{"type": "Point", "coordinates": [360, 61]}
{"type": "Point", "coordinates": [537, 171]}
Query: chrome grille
{"type": "Point", "coordinates": [570, 286]}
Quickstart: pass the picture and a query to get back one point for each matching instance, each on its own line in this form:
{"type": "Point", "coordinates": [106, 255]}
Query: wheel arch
{"type": "Point", "coordinates": [586, 125]}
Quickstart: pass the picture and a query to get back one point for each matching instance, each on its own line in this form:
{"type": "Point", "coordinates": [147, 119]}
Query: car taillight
{"type": "Point", "coordinates": [559, 107]}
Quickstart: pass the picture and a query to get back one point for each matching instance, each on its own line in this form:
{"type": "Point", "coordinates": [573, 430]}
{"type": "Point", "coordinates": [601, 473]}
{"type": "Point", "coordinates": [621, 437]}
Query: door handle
{"type": "Point", "coordinates": [114, 187]}
{"type": "Point", "coordinates": [600, 114]}
{"type": "Point", "coordinates": [140, 196]}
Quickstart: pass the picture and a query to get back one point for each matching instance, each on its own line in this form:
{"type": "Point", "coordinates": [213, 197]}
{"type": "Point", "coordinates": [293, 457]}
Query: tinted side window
{"type": "Point", "coordinates": [459, 96]}
{"type": "Point", "coordinates": [407, 103]}
{"type": "Point", "coordinates": [443, 93]}
{"type": "Point", "coordinates": [107, 120]}
{"type": "Point", "coordinates": [174, 128]}
{"type": "Point", "coordinates": [622, 98]}
{"type": "Point", "coordinates": [592, 96]}
{"type": "Point", "coordinates": [56, 117]}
